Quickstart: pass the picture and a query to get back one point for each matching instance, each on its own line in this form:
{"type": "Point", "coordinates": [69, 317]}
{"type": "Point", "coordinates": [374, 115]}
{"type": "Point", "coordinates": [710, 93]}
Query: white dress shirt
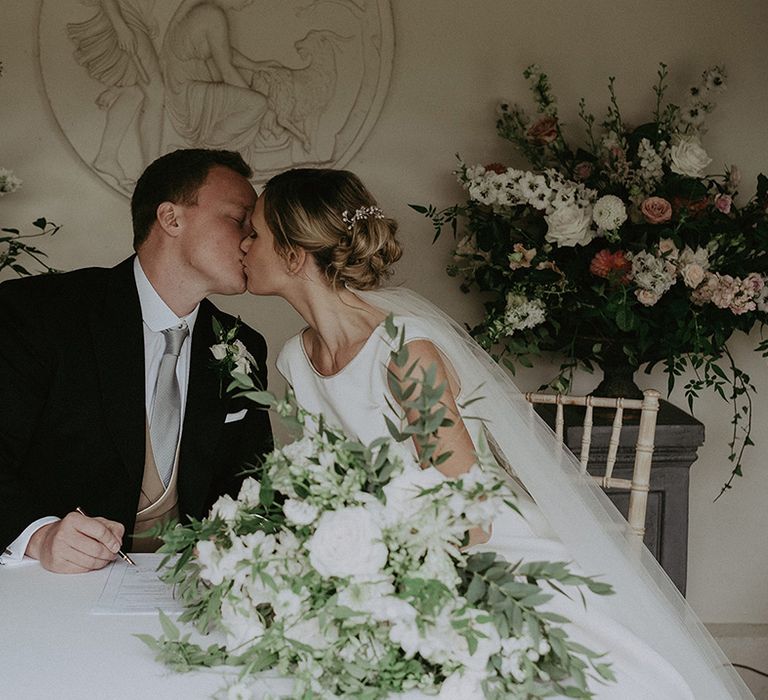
{"type": "Point", "coordinates": [157, 317]}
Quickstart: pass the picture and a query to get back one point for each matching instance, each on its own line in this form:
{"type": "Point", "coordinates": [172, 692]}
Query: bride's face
{"type": "Point", "coordinates": [264, 268]}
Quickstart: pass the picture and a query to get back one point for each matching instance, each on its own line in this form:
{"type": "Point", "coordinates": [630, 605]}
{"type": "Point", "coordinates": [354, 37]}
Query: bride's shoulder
{"type": "Point", "coordinates": [414, 327]}
{"type": "Point", "coordinates": [289, 355]}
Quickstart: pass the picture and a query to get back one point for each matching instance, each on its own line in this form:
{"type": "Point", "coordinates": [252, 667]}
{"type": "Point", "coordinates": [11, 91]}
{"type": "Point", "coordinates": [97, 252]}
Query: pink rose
{"type": "Point", "coordinates": [723, 203]}
{"type": "Point", "coordinates": [668, 248]}
{"type": "Point", "coordinates": [646, 297]}
{"type": "Point", "coordinates": [693, 275]}
{"type": "Point", "coordinates": [543, 131]}
{"type": "Point", "coordinates": [582, 170]}
{"type": "Point", "coordinates": [656, 210]}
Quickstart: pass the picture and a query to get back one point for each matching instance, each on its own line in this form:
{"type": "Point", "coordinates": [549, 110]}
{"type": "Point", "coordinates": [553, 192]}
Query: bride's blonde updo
{"type": "Point", "coordinates": [331, 215]}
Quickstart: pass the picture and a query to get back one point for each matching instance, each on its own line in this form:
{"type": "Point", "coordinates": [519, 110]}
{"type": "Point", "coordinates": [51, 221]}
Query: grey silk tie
{"type": "Point", "coordinates": [166, 409]}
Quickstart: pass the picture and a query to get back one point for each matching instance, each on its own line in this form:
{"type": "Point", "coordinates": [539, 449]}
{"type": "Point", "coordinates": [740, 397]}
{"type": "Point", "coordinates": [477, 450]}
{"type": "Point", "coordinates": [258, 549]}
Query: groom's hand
{"type": "Point", "coordinates": [76, 544]}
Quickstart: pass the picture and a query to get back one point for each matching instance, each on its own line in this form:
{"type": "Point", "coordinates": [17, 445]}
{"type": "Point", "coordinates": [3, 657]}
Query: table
{"type": "Point", "coordinates": [52, 648]}
{"type": "Point", "coordinates": [678, 437]}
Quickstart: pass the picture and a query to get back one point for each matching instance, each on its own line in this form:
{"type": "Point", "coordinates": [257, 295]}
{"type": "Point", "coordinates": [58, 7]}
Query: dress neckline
{"type": "Point", "coordinates": [376, 330]}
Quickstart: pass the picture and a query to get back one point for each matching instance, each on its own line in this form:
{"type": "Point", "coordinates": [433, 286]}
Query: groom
{"type": "Point", "coordinates": [109, 403]}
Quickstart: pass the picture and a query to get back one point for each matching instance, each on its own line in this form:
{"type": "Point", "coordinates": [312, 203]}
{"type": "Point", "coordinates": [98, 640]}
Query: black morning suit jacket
{"type": "Point", "coordinates": [72, 408]}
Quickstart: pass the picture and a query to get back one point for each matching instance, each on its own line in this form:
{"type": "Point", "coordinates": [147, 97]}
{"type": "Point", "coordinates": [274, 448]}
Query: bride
{"type": "Point", "coordinates": [321, 242]}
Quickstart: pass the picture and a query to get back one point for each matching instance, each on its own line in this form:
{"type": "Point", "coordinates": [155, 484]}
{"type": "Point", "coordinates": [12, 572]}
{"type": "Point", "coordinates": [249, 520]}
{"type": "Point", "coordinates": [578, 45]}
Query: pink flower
{"type": "Point", "coordinates": [646, 297]}
{"type": "Point", "coordinates": [693, 275]}
{"type": "Point", "coordinates": [582, 170]}
{"type": "Point", "coordinates": [612, 266]}
{"type": "Point", "coordinates": [723, 295]}
{"type": "Point", "coordinates": [656, 210]}
{"type": "Point", "coordinates": [703, 293]}
{"type": "Point", "coordinates": [668, 248]}
{"type": "Point", "coordinates": [543, 130]}
{"type": "Point", "coordinates": [521, 256]}
{"type": "Point", "coordinates": [754, 282]}
{"type": "Point", "coordinates": [723, 203]}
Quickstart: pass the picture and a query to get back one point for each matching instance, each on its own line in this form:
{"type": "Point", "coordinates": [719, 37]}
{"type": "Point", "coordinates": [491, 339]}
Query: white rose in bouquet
{"type": "Point", "coordinates": [570, 225]}
{"type": "Point", "coordinates": [347, 542]}
{"type": "Point", "coordinates": [225, 508]}
{"type": "Point", "coordinates": [687, 157]}
{"type": "Point", "coordinates": [299, 512]}
{"type": "Point", "coordinates": [250, 492]}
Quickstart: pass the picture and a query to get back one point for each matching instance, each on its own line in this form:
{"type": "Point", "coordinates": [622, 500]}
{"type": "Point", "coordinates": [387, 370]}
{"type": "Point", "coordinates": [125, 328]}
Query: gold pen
{"type": "Point", "coordinates": [119, 551]}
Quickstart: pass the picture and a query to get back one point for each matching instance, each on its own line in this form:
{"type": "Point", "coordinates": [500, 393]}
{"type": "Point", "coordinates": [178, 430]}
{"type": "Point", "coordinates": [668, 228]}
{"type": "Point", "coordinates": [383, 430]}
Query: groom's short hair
{"type": "Point", "coordinates": [176, 177]}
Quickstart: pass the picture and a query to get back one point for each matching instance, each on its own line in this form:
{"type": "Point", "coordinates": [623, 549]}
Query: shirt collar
{"type": "Point", "coordinates": [155, 313]}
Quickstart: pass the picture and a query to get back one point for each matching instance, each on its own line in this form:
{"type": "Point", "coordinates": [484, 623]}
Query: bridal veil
{"type": "Point", "coordinates": [646, 601]}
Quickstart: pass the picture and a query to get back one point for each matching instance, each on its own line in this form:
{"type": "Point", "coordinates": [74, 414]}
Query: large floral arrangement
{"type": "Point", "coordinates": [343, 567]}
{"type": "Point", "coordinates": [623, 250]}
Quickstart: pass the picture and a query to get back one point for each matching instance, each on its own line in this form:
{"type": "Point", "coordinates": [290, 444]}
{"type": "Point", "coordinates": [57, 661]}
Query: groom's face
{"type": "Point", "coordinates": [213, 229]}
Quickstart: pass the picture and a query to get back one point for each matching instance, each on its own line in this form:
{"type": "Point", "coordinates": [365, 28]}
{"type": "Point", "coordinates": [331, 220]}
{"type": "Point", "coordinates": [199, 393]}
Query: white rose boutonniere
{"type": "Point", "coordinates": [230, 356]}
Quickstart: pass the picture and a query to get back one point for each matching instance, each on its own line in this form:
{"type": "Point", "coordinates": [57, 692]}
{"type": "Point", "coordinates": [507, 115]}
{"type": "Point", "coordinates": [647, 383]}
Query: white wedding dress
{"type": "Point", "coordinates": [652, 651]}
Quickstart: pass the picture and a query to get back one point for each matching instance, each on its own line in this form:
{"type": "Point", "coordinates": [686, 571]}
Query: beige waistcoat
{"type": "Point", "coordinates": [156, 503]}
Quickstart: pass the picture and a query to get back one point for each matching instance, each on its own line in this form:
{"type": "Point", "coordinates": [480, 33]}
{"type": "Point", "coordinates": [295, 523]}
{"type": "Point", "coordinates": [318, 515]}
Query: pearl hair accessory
{"type": "Point", "coordinates": [360, 215]}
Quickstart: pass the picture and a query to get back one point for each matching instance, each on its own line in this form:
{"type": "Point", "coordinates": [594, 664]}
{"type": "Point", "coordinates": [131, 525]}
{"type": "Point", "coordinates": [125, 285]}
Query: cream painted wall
{"type": "Point", "coordinates": [454, 59]}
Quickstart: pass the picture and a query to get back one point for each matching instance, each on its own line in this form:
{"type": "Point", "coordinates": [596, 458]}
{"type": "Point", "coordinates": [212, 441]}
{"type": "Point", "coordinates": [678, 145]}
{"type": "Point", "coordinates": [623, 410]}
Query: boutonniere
{"type": "Point", "coordinates": [231, 358]}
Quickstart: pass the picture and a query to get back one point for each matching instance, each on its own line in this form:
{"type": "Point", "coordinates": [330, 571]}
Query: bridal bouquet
{"type": "Point", "coordinates": [621, 250]}
{"type": "Point", "coordinates": [342, 566]}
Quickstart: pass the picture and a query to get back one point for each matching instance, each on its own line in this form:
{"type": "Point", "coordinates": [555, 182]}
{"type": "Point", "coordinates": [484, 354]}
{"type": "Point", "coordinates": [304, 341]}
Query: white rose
{"type": "Point", "coordinates": [687, 157]}
{"type": "Point", "coordinates": [647, 297]}
{"type": "Point", "coordinates": [219, 351]}
{"type": "Point", "coordinates": [225, 508]}
{"type": "Point", "coordinates": [609, 212]}
{"type": "Point", "coordinates": [250, 492]}
{"type": "Point", "coordinates": [693, 275]}
{"type": "Point", "coordinates": [569, 225]}
{"type": "Point", "coordinates": [347, 542]}
{"type": "Point", "coordinates": [299, 512]}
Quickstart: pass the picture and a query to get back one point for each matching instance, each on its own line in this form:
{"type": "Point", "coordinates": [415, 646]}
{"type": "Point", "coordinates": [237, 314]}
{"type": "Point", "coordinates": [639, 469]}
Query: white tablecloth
{"type": "Point", "coordinates": [52, 648]}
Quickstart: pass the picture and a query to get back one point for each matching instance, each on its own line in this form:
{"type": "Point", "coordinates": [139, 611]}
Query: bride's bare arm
{"type": "Point", "coordinates": [454, 439]}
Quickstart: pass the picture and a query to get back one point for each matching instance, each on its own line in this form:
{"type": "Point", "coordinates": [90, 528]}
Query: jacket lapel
{"type": "Point", "coordinates": [118, 340]}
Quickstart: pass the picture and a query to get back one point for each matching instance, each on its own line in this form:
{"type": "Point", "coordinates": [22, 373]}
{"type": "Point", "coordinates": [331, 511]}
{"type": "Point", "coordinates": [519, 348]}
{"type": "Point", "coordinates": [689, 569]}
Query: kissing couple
{"type": "Point", "coordinates": [110, 405]}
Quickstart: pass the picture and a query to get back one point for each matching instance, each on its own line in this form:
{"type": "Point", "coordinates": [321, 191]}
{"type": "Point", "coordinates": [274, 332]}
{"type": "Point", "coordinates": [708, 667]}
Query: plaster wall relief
{"type": "Point", "coordinates": [285, 82]}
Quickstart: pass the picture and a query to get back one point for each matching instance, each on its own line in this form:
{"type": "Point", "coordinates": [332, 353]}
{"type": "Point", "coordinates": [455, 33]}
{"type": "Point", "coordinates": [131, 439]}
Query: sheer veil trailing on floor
{"type": "Point", "coordinates": [646, 601]}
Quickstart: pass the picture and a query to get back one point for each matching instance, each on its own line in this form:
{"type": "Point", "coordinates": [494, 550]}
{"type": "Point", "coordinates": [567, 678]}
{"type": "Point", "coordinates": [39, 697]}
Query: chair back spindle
{"type": "Point", "coordinates": [639, 485]}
